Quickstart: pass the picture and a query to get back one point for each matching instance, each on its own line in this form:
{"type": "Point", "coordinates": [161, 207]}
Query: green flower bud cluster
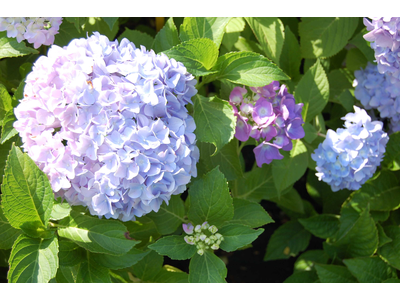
{"type": "Point", "coordinates": [203, 237]}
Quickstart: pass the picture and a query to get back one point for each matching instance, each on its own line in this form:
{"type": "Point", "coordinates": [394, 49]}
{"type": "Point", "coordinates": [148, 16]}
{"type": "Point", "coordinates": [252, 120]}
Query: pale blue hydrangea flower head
{"type": "Point", "coordinates": [107, 123]}
{"type": "Point", "coordinates": [379, 91]}
{"type": "Point", "coordinates": [384, 36]}
{"type": "Point", "coordinates": [37, 31]}
{"type": "Point", "coordinates": [348, 157]}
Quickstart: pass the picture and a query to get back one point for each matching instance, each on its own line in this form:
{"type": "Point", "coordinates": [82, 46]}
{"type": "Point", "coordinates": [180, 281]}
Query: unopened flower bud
{"type": "Point", "coordinates": [207, 241]}
{"type": "Point", "coordinates": [215, 247]}
{"type": "Point", "coordinates": [213, 229]}
{"type": "Point", "coordinates": [200, 252]}
{"type": "Point", "coordinates": [218, 236]}
{"type": "Point", "coordinates": [205, 225]}
{"type": "Point", "coordinates": [203, 237]}
{"type": "Point", "coordinates": [197, 228]}
{"type": "Point", "coordinates": [189, 240]}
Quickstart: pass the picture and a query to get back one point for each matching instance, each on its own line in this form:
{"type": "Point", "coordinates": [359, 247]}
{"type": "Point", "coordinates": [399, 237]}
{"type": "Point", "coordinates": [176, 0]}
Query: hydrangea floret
{"type": "Point", "coordinates": [384, 36]}
{"type": "Point", "coordinates": [37, 31]}
{"type": "Point", "coordinates": [379, 91]}
{"type": "Point", "coordinates": [349, 156]}
{"type": "Point", "coordinates": [270, 115]}
{"type": "Point", "coordinates": [202, 236]}
{"type": "Point", "coordinates": [107, 123]}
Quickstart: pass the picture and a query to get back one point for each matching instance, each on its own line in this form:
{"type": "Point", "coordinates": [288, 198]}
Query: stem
{"type": "Point", "coordinates": [57, 225]}
{"type": "Point", "coordinates": [200, 84]}
{"type": "Point", "coordinates": [321, 134]}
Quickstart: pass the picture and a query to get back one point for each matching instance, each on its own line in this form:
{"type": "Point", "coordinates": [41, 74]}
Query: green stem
{"type": "Point", "coordinates": [321, 134]}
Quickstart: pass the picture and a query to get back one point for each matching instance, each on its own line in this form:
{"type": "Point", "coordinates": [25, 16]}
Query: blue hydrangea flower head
{"type": "Point", "coordinates": [379, 91]}
{"type": "Point", "coordinates": [384, 36]}
{"type": "Point", "coordinates": [349, 156]}
{"type": "Point", "coordinates": [107, 122]}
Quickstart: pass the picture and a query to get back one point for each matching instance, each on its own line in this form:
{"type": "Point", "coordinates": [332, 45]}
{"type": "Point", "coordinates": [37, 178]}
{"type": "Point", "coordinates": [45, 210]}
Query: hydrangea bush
{"type": "Point", "coordinates": [179, 146]}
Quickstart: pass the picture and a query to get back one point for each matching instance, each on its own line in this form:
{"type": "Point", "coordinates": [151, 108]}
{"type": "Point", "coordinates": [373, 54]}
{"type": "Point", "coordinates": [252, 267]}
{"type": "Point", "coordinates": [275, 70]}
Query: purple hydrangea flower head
{"type": "Point", "coordinates": [384, 36]}
{"type": "Point", "coordinates": [349, 156]}
{"type": "Point", "coordinates": [379, 91]}
{"type": "Point", "coordinates": [270, 115]}
{"type": "Point", "coordinates": [37, 31]}
{"type": "Point", "coordinates": [107, 122]}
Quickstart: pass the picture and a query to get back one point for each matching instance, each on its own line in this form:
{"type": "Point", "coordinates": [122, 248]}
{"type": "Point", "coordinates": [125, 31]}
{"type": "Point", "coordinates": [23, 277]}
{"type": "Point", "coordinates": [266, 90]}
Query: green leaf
{"type": "Point", "coordinates": [347, 100]}
{"type": "Point", "coordinates": [355, 60]}
{"type": "Point", "coordinates": [110, 21]}
{"type": "Point", "coordinates": [325, 36]}
{"type": "Point", "coordinates": [4, 151]}
{"type": "Point", "coordinates": [313, 91]}
{"type": "Point", "coordinates": [247, 68]}
{"type": "Point", "coordinates": [93, 24]}
{"type": "Point", "coordinates": [143, 229]}
{"type": "Point", "coordinates": [92, 272]}
{"type": "Point", "coordinates": [4, 255]}
{"type": "Point", "coordinates": [60, 210]}
{"type": "Point", "coordinates": [96, 235]}
{"type": "Point", "coordinates": [310, 131]}
{"type": "Point", "coordinates": [207, 268]}
{"type": "Point", "coordinates": [215, 122]}
{"type": "Point", "coordinates": [208, 27]}
{"type": "Point", "coordinates": [322, 226]}
{"type": "Point", "coordinates": [291, 168]}
{"type": "Point", "coordinates": [227, 159]}
{"type": "Point", "coordinates": [288, 240]}
{"type": "Point", "coordinates": [357, 235]}
{"type": "Point", "coordinates": [210, 200]}
{"type": "Point", "coordinates": [5, 103]}
{"type": "Point", "coordinates": [249, 213]}
{"type": "Point", "coordinates": [9, 47]}
{"type": "Point", "coordinates": [334, 274]}
{"type": "Point", "coordinates": [70, 254]}
{"type": "Point", "coordinates": [137, 37]}
{"type": "Point", "coordinates": [27, 198]}
{"type": "Point", "coordinates": [148, 267]}
{"type": "Point", "coordinates": [383, 238]}
{"type": "Point", "coordinates": [303, 277]}
{"type": "Point", "coordinates": [198, 55]}
{"type": "Point", "coordinates": [33, 260]}
{"type": "Point", "coordinates": [392, 154]}
{"type": "Point", "coordinates": [169, 274]}
{"type": "Point", "coordinates": [237, 236]}
{"type": "Point", "coordinates": [290, 200]}
{"type": "Point", "coordinates": [232, 32]}
{"type": "Point", "coordinates": [169, 217]}
{"type": "Point", "coordinates": [307, 260]}
{"type": "Point", "coordinates": [340, 80]}
{"type": "Point", "coordinates": [390, 251]}
{"type": "Point", "coordinates": [381, 194]}
{"type": "Point", "coordinates": [67, 274]}
{"type": "Point", "coordinates": [359, 41]}
{"type": "Point", "coordinates": [8, 234]}
{"type": "Point", "coordinates": [167, 37]}
{"type": "Point", "coordinates": [370, 269]}
{"type": "Point", "coordinates": [115, 262]}
{"type": "Point", "coordinates": [174, 246]}
{"type": "Point", "coordinates": [69, 31]}
{"type": "Point", "coordinates": [290, 58]}
{"type": "Point", "coordinates": [270, 34]}
{"type": "Point", "coordinates": [77, 21]}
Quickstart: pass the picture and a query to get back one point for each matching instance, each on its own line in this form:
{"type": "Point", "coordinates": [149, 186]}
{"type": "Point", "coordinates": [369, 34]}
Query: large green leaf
{"type": "Point", "coordinates": [27, 195]}
{"type": "Point", "coordinates": [207, 268]}
{"type": "Point", "coordinates": [257, 184]}
{"type": "Point", "coordinates": [363, 45]}
{"type": "Point", "coordinates": [115, 262]}
{"type": "Point", "coordinates": [169, 217]}
{"type": "Point", "coordinates": [198, 55]}
{"type": "Point", "coordinates": [290, 58]}
{"type": "Point", "coordinates": [303, 277]}
{"type": "Point", "coordinates": [169, 274]}
{"type": "Point", "coordinates": [138, 38]}
{"type": "Point", "coordinates": [237, 236]}
{"type": "Point", "coordinates": [209, 27]}
{"type": "Point", "coordinates": [270, 34]}
{"type": "Point", "coordinates": [381, 193]}
{"type": "Point", "coordinates": [334, 274]}
{"type": "Point", "coordinates": [249, 213]}
{"type": "Point", "coordinates": [70, 254]}
{"type": "Point", "coordinates": [5, 103]}
{"type": "Point", "coordinates": [8, 234]}
{"type": "Point", "coordinates": [288, 240]}
{"type": "Point", "coordinates": [148, 267]}
{"type": "Point", "coordinates": [167, 37]}
{"type": "Point", "coordinates": [9, 47]}
{"type": "Point", "coordinates": [67, 274]}
{"type": "Point", "coordinates": [291, 168]}
{"type": "Point", "coordinates": [210, 200]}
{"type": "Point", "coordinates": [143, 229]}
{"type": "Point", "coordinates": [68, 31]}
{"type": "Point", "coordinates": [357, 235]}
{"type": "Point", "coordinates": [110, 21]}
{"type": "Point", "coordinates": [215, 122]}
{"type": "Point", "coordinates": [227, 159]}
{"type": "Point", "coordinates": [60, 210]}
{"type": "Point", "coordinates": [96, 235]}
{"type": "Point", "coordinates": [313, 91]}
{"type": "Point", "coordinates": [291, 200]}
{"type": "Point", "coordinates": [325, 36]}
{"type": "Point", "coordinates": [370, 269]}
{"type": "Point", "coordinates": [307, 260]}
{"type": "Point", "coordinates": [7, 130]}
{"type": "Point", "coordinates": [390, 251]}
{"type": "Point", "coordinates": [174, 246]}
{"type": "Point", "coordinates": [247, 68]}
{"type": "Point", "coordinates": [33, 260]}
{"type": "Point", "coordinates": [392, 154]}
{"type": "Point", "coordinates": [92, 272]}
{"type": "Point", "coordinates": [95, 24]}
{"type": "Point", "coordinates": [322, 226]}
